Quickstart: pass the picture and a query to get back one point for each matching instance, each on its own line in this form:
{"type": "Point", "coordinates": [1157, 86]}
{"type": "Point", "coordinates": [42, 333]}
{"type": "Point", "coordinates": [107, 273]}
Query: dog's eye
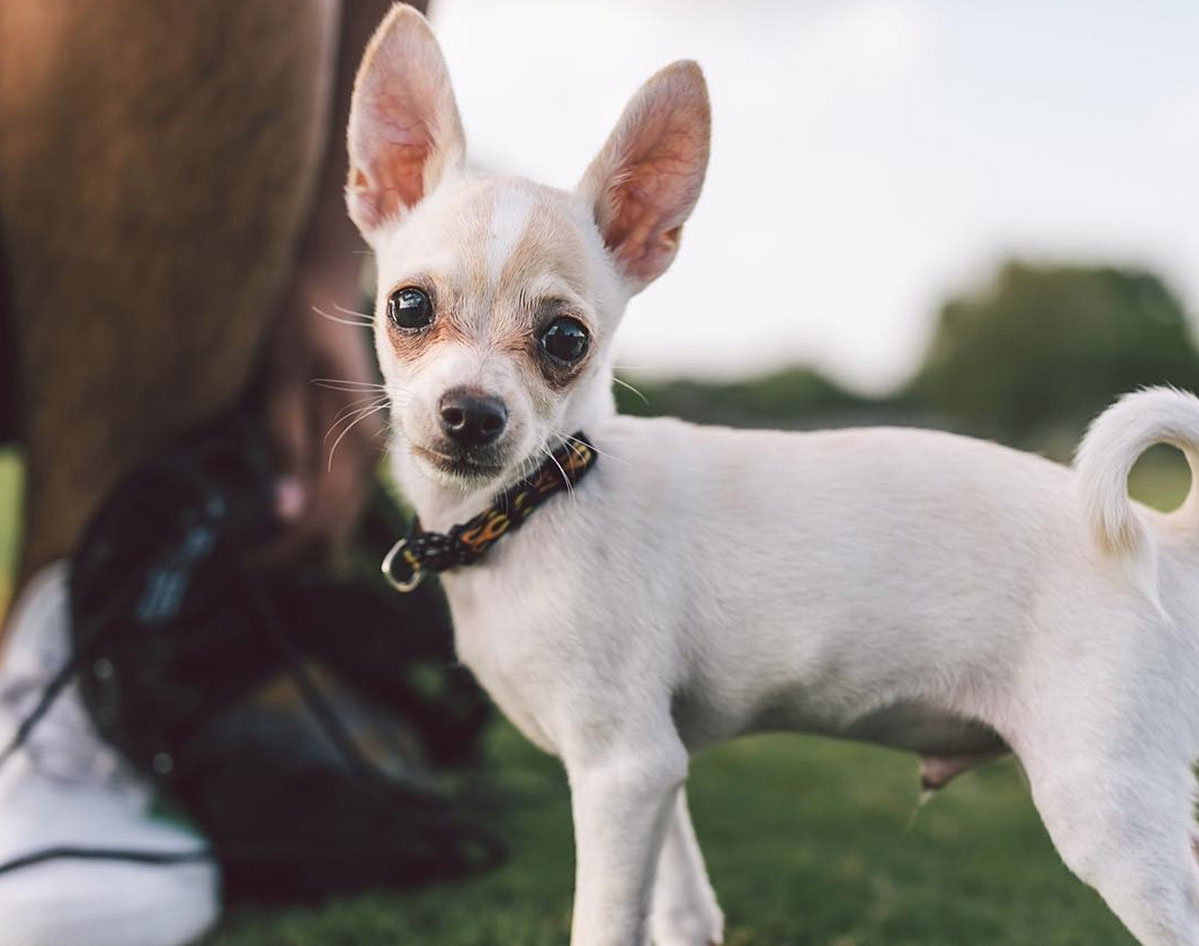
{"type": "Point", "coordinates": [410, 308]}
{"type": "Point", "coordinates": [565, 340]}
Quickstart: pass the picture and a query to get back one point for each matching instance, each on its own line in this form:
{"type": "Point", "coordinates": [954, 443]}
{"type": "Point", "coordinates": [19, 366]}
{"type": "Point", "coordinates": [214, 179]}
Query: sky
{"type": "Point", "coordinates": [869, 157]}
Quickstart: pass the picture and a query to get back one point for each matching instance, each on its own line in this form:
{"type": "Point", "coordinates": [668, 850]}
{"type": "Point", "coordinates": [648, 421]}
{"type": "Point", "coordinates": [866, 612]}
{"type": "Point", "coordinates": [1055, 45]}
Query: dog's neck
{"type": "Point", "coordinates": [441, 506]}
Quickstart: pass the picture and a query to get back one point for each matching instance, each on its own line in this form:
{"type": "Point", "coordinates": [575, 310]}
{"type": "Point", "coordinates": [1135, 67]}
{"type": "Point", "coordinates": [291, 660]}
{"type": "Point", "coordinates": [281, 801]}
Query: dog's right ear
{"type": "Point", "coordinates": [404, 131]}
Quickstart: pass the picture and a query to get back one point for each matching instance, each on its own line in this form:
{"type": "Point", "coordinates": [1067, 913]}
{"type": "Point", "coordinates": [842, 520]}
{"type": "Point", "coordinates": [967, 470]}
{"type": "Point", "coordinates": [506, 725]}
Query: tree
{"type": "Point", "coordinates": [791, 397]}
{"type": "Point", "coordinates": [1045, 347]}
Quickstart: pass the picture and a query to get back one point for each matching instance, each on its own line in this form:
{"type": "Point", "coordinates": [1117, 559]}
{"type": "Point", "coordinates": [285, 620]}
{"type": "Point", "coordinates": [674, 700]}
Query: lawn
{"type": "Point", "coordinates": [10, 500]}
{"type": "Point", "coordinates": [809, 843]}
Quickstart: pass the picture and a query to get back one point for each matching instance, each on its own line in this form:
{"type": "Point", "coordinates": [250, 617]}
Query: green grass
{"type": "Point", "coordinates": [809, 843]}
{"type": "Point", "coordinates": [10, 520]}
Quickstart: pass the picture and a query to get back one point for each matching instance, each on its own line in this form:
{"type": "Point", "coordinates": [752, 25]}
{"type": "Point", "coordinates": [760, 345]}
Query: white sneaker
{"type": "Point", "coordinates": [67, 788]}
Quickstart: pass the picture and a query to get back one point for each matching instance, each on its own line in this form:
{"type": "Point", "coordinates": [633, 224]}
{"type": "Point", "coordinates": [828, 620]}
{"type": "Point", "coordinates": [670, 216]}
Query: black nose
{"type": "Point", "coordinates": [471, 419]}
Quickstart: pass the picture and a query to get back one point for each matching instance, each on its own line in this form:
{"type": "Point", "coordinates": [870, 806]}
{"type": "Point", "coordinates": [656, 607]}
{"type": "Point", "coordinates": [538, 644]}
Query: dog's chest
{"type": "Point", "coordinates": [504, 643]}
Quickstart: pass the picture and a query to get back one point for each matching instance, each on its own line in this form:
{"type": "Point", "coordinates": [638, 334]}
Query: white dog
{"type": "Point", "coordinates": [907, 588]}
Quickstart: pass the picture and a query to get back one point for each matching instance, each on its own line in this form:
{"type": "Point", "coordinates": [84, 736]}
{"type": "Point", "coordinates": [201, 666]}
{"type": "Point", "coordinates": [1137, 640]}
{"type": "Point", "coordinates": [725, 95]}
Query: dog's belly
{"type": "Point", "coordinates": [925, 729]}
{"type": "Point", "coordinates": [948, 745]}
{"type": "Point", "coordinates": [913, 725]}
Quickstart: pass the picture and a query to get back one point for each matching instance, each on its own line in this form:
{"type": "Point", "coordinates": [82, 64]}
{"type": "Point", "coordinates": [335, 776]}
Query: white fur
{"type": "Point", "coordinates": [509, 220]}
{"type": "Point", "coordinates": [903, 587]}
{"type": "Point", "coordinates": [1117, 438]}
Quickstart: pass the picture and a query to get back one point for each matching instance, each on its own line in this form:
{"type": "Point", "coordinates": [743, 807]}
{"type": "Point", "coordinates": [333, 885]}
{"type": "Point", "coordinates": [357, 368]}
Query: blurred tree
{"type": "Point", "coordinates": [1045, 348]}
{"type": "Point", "coordinates": [792, 397]}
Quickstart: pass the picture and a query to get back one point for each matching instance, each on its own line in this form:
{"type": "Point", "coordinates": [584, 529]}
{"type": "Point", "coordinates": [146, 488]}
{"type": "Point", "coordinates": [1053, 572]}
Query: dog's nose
{"type": "Point", "coordinates": [471, 419]}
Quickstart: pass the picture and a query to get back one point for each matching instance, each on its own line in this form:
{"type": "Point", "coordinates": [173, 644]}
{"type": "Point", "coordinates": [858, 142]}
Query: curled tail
{"type": "Point", "coordinates": [1114, 442]}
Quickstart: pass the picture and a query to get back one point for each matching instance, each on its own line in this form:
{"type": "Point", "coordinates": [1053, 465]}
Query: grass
{"type": "Point", "coordinates": [10, 519]}
{"type": "Point", "coordinates": [809, 843]}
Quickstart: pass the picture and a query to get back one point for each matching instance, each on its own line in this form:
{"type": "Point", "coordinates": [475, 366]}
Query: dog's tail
{"type": "Point", "coordinates": [1114, 442]}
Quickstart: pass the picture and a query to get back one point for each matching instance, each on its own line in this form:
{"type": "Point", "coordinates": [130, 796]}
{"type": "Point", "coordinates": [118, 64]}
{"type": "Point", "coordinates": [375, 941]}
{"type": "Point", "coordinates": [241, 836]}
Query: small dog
{"type": "Point", "coordinates": [908, 588]}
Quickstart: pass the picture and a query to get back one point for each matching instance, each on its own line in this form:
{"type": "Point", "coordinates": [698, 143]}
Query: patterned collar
{"type": "Point", "coordinates": [419, 551]}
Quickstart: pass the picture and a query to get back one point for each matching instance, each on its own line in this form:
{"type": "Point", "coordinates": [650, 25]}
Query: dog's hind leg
{"type": "Point", "coordinates": [684, 912]}
{"type": "Point", "coordinates": [1122, 822]}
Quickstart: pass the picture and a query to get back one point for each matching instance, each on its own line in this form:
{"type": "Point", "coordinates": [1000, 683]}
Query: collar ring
{"type": "Point", "coordinates": [416, 575]}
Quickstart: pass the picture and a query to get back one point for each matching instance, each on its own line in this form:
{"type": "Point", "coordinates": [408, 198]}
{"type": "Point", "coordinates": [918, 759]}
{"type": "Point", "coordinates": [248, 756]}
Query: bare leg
{"type": "Point", "coordinates": [162, 169]}
{"type": "Point", "coordinates": [156, 168]}
{"type": "Point", "coordinates": [308, 345]}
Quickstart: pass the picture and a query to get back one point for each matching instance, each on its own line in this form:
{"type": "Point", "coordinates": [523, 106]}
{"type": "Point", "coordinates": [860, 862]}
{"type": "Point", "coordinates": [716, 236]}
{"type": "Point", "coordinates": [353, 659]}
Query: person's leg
{"type": "Point", "coordinates": [330, 470]}
{"type": "Point", "coordinates": [159, 172]}
{"type": "Point", "coordinates": [157, 165]}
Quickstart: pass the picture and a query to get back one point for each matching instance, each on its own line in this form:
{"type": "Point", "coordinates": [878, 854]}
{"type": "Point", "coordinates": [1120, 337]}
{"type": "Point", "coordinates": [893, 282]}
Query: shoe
{"type": "Point", "coordinates": [66, 788]}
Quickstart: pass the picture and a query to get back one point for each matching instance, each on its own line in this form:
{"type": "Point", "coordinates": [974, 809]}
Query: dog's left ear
{"type": "Point", "coordinates": [404, 131]}
{"type": "Point", "coordinates": [644, 183]}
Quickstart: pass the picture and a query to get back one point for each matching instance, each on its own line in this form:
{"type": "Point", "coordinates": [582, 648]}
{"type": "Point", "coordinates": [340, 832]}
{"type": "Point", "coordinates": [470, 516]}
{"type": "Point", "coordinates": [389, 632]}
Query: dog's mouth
{"type": "Point", "coordinates": [464, 466]}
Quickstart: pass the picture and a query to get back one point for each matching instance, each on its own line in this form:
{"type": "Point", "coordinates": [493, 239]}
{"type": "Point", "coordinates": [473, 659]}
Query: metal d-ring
{"type": "Point", "coordinates": [408, 584]}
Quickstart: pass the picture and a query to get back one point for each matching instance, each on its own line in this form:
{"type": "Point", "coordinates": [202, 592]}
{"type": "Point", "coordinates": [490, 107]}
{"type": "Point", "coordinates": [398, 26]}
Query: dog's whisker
{"type": "Point", "coordinates": [653, 367]}
{"type": "Point", "coordinates": [346, 412]}
{"type": "Point", "coordinates": [352, 415]}
{"type": "Point", "coordinates": [352, 312]}
{"type": "Point", "coordinates": [357, 323]}
{"type": "Point", "coordinates": [624, 384]}
{"type": "Point", "coordinates": [348, 387]}
{"type": "Point", "coordinates": [363, 416]}
{"type": "Point", "coordinates": [352, 407]}
{"type": "Point", "coordinates": [582, 443]}
{"type": "Point", "coordinates": [565, 479]}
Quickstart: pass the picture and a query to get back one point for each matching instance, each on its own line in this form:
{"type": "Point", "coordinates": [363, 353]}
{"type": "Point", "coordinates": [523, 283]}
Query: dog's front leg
{"type": "Point", "coordinates": [622, 802]}
{"type": "Point", "coordinates": [684, 912]}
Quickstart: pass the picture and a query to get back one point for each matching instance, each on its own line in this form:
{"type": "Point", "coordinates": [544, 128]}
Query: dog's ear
{"type": "Point", "coordinates": [404, 131]}
{"type": "Point", "coordinates": [645, 181]}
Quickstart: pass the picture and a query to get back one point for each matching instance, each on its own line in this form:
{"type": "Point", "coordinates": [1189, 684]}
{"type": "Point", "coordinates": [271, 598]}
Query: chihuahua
{"type": "Point", "coordinates": [907, 588]}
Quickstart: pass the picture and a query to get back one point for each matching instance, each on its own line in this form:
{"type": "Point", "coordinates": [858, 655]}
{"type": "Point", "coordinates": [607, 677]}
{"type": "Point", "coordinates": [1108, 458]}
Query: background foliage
{"type": "Point", "coordinates": [1028, 358]}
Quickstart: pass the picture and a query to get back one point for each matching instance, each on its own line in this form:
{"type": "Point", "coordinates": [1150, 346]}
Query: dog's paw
{"type": "Point", "coordinates": [689, 928]}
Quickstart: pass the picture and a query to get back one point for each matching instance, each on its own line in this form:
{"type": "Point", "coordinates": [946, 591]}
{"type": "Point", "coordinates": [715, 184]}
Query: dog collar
{"type": "Point", "coordinates": [419, 551]}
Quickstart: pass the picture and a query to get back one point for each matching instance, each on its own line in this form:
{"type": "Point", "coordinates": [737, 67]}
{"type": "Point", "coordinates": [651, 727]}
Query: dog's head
{"type": "Point", "coordinates": [498, 297]}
